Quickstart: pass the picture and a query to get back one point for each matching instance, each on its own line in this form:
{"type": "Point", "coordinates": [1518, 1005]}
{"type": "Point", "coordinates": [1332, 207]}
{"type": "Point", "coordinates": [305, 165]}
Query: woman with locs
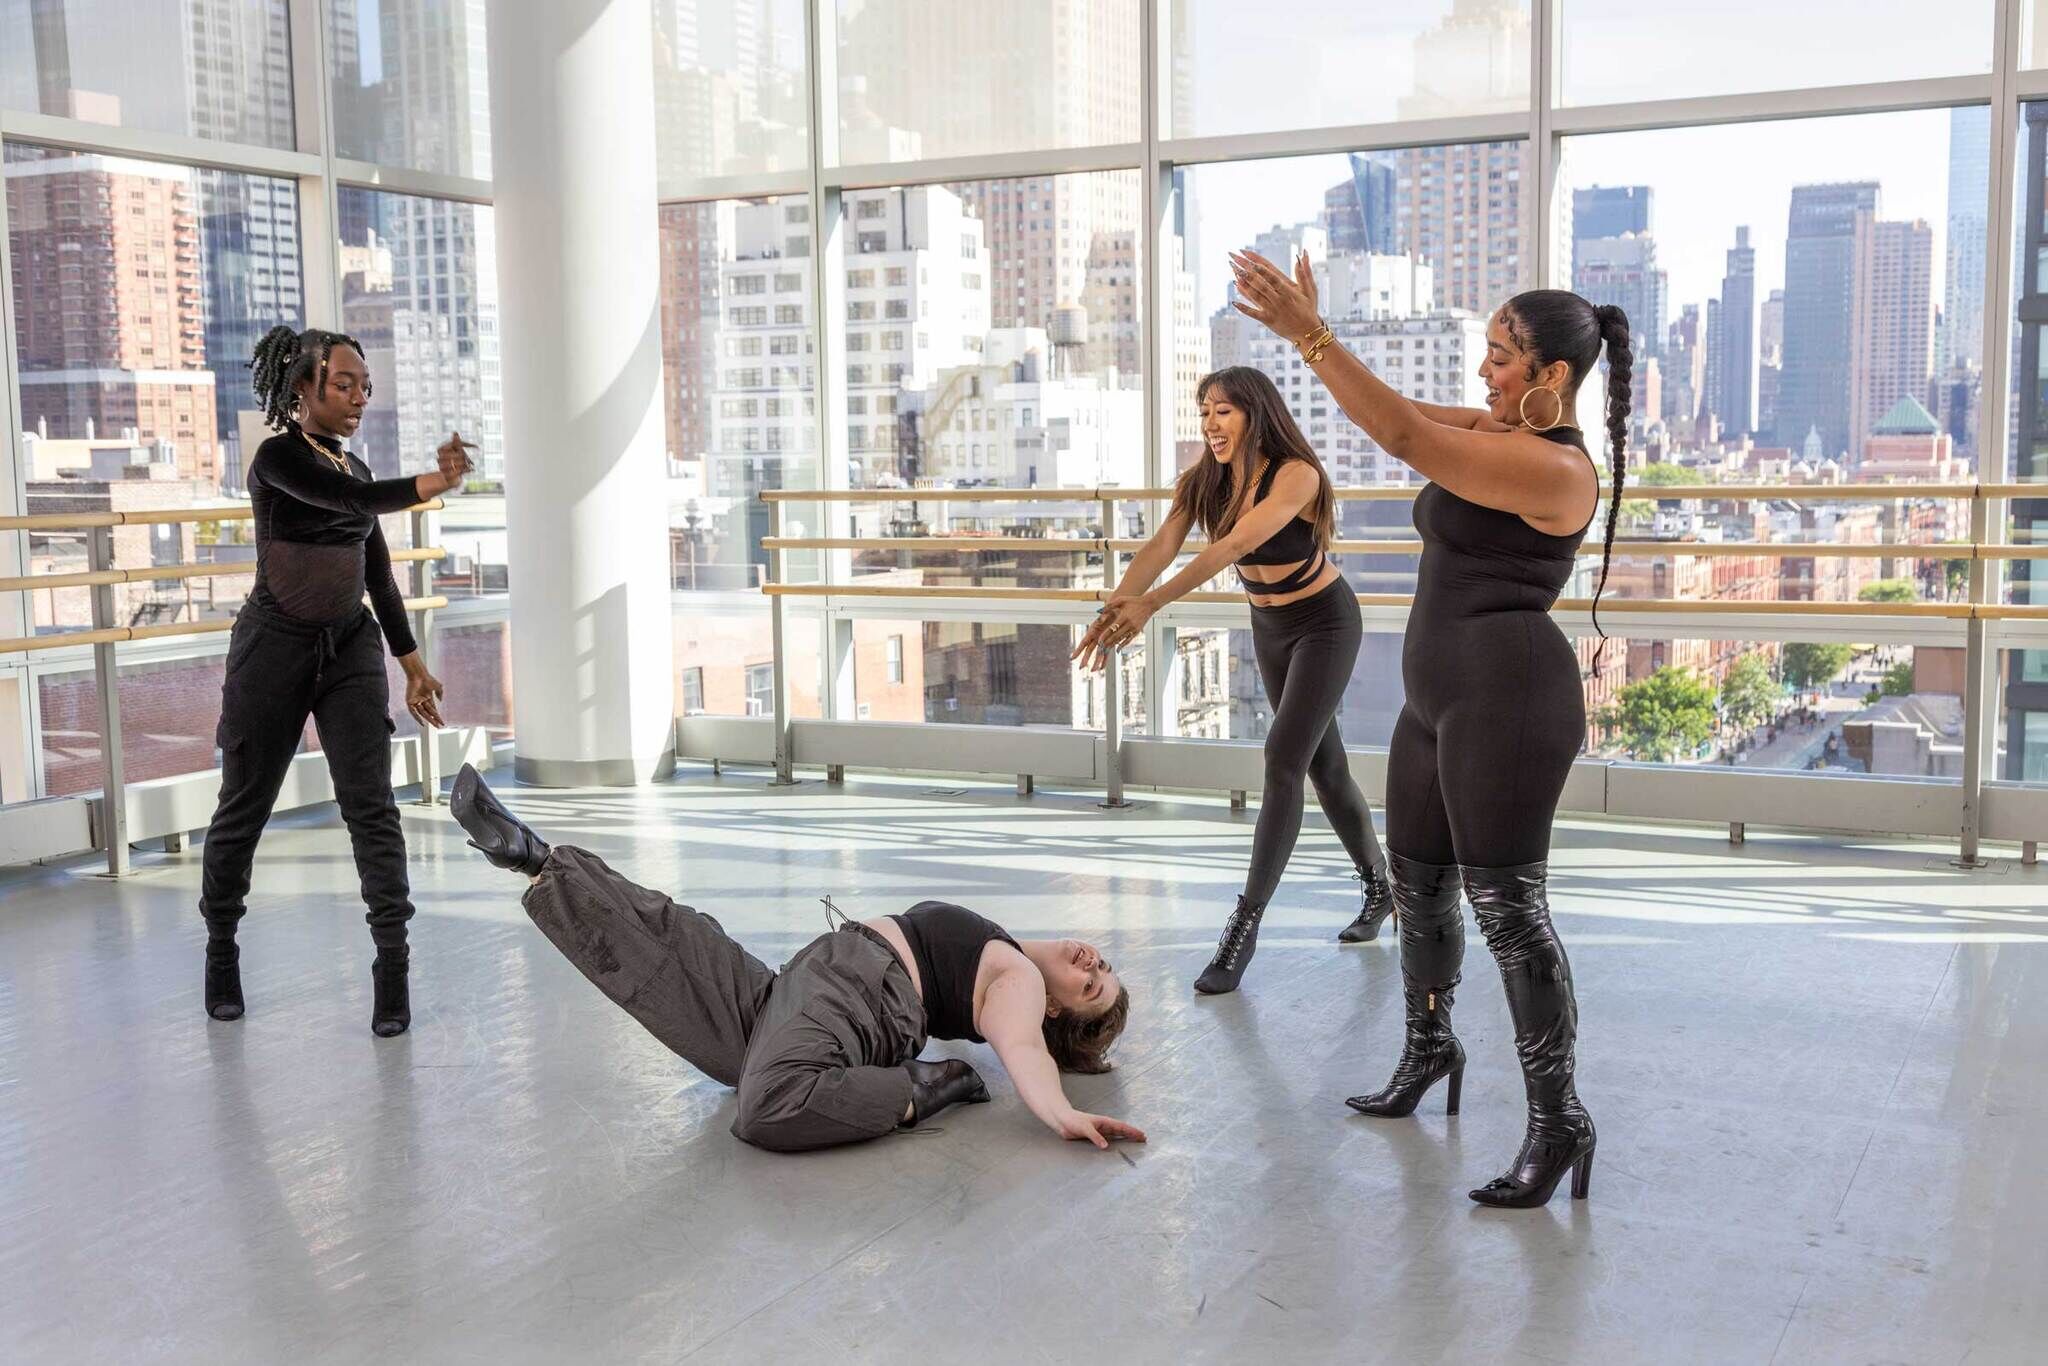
{"type": "Point", "coordinates": [305, 646]}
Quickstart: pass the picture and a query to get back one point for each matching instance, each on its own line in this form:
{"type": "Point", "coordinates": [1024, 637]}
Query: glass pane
{"type": "Point", "coordinates": [739, 381]}
{"type": "Point", "coordinates": [2024, 674]}
{"type": "Point", "coordinates": [420, 292]}
{"type": "Point", "coordinates": [1413, 250]}
{"type": "Point", "coordinates": [1618, 50]}
{"type": "Point", "coordinates": [1217, 693]}
{"type": "Point", "coordinates": [411, 84]}
{"type": "Point", "coordinates": [730, 93]}
{"type": "Point", "coordinates": [140, 289]}
{"type": "Point", "coordinates": [920, 80]}
{"type": "Point", "coordinates": [221, 70]}
{"type": "Point", "coordinates": [1807, 296]}
{"type": "Point", "coordinates": [725, 661]}
{"type": "Point", "coordinates": [987, 673]}
{"type": "Point", "coordinates": [1886, 711]}
{"type": "Point", "coordinates": [1335, 62]}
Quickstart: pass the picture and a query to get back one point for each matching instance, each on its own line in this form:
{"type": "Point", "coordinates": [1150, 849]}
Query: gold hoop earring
{"type": "Point", "coordinates": [1522, 408]}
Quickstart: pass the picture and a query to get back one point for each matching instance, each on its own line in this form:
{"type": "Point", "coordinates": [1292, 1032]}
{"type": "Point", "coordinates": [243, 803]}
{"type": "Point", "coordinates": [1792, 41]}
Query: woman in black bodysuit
{"type": "Point", "coordinates": [1262, 499]}
{"type": "Point", "coordinates": [304, 645]}
{"type": "Point", "coordinates": [1495, 710]}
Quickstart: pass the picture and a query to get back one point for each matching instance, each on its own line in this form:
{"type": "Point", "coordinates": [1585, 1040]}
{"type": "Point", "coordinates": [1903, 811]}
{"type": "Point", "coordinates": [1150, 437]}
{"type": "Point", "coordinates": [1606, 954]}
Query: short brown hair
{"type": "Point", "coordinates": [1078, 1043]}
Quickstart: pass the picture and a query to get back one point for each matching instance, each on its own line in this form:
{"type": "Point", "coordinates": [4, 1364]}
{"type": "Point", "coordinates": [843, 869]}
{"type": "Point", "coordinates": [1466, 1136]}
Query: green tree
{"type": "Point", "coordinates": [1665, 476]}
{"type": "Point", "coordinates": [1667, 714]}
{"type": "Point", "coordinates": [1957, 576]}
{"type": "Point", "coordinates": [1898, 679]}
{"type": "Point", "coordinates": [1749, 692]}
{"type": "Point", "coordinates": [1807, 664]}
{"type": "Point", "coordinates": [1889, 590]}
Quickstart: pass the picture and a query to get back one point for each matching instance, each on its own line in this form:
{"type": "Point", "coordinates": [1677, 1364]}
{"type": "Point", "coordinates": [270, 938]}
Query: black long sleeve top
{"type": "Point", "coordinates": [318, 545]}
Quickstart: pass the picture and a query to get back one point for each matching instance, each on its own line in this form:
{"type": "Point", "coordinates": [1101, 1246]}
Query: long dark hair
{"type": "Point", "coordinates": [284, 360]}
{"type": "Point", "coordinates": [1203, 491]}
{"type": "Point", "coordinates": [1080, 1044]}
{"type": "Point", "coordinates": [1556, 324]}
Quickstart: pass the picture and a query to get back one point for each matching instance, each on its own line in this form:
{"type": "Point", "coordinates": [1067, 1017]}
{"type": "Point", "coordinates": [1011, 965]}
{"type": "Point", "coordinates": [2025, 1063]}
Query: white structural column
{"type": "Point", "coordinates": [572, 142]}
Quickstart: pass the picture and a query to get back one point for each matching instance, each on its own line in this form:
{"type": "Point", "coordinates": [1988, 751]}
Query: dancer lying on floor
{"type": "Point", "coordinates": [825, 1052]}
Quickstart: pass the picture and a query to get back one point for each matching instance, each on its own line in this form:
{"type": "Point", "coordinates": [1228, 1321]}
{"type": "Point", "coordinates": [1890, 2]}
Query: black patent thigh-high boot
{"type": "Point", "coordinates": [1425, 897]}
{"type": "Point", "coordinates": [1514, 915]}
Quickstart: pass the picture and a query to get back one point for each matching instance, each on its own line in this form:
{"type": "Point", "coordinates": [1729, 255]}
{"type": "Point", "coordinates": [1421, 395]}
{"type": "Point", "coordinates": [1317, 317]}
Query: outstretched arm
{"type": "Point", "coordinates": [1159, 552]}
{"type": "Point", "coordinates": [1012, 1011]}
{"type": "Point", "coordinates": [1550, 484]}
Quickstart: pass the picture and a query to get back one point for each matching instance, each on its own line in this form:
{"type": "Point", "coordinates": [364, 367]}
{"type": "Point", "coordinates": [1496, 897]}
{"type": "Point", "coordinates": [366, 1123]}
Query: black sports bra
{"type": "Point", "coordinates": [1294, 543]}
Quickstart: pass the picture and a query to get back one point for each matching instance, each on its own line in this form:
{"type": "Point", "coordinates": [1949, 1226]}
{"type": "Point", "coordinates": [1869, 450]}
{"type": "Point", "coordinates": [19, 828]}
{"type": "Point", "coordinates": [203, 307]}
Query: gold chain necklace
{"type": "Point", "coordinates": [340, 462]}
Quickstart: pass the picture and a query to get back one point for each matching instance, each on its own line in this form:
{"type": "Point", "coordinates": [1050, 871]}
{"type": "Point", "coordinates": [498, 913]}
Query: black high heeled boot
{"type": "Point", "coordinates": [223, 979]}
{"type": "Point", "coordinates": [493, 831]}
{"type": "Point", "coordinates": [1233, 951]}
{"type": "Point", "coordinates": [1514, 914]}
{"type": "Point", "coordinates": [1432, 951]}
{"type": "Point", "coordinates": [391, 1008]}
{"type": "Point", "coordinates": [935, 1085]}
{"type": "Point", "coordinates": [1377, 897]}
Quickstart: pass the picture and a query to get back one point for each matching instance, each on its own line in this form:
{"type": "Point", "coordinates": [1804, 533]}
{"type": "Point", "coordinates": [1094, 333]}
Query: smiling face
{"type": "Point", "coordinates": [336, 408]}
{"type": "Point", "coordinates": [1080, 980]}
{"type": "Point", "coordinates": [1223, 425]}
{"type": "Point", "coordinates": [1510, 372]}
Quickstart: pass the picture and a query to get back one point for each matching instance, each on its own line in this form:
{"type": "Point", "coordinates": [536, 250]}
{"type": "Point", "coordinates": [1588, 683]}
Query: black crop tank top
{"type": "Point", "coordinates": [1478, 560]}
{"type": "Point", "coordinates": [1294, 543]}
{"type": "Point", "coordinates": [947, 940]}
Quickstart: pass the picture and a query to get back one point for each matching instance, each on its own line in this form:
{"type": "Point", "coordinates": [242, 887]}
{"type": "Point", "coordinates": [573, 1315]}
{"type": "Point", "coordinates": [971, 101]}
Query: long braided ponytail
{"type": "Point", "coordinates": [283, 360]}
{"type": "Point", "coordinates": [1614, 332]}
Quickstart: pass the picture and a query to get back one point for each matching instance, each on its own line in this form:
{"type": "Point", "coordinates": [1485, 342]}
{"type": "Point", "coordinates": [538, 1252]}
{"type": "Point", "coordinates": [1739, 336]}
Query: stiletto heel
{"type": "Point", "coordinates": [1582, 1176]}
{"type": "Point", "coordinates": [1457, 1086]}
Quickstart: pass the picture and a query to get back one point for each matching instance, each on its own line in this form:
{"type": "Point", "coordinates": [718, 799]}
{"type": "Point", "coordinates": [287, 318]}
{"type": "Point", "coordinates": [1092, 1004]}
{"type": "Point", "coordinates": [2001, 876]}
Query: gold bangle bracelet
{"type": "Point", "coordinates": [1317, 342]}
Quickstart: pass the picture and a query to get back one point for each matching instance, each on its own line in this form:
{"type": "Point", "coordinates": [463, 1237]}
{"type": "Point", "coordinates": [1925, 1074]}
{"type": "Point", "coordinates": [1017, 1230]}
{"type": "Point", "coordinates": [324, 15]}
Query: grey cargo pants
{"type": "Point", "coordinates": [817, 1051]}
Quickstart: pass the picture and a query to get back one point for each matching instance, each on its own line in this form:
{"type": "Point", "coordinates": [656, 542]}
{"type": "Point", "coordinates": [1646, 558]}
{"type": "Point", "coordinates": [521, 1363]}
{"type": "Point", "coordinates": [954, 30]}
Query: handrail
{"type": "Point", "coordinates": [112, 635]}
{"type": "Point", "coordinates": [89, 521]}
{"type": "Point", "coordinates": [1404, 492]}
{"type": "Point", "coordinates": [218, 569]}
{"type": "Point", "coordinates": [1945, 611]}
{"type": "Point", "coordinates": [1783, 550]}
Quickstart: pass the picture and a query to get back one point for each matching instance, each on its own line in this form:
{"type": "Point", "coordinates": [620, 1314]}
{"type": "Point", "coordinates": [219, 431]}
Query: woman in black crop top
{"type": "Point", "coordinates": [1263, 501]}
{"type": "Point", "coordinates": [303, 645]}
{"type": "Point", "coordinates": [826, 1051]}
{"type": "Point", "coordinates": [1495, 710]}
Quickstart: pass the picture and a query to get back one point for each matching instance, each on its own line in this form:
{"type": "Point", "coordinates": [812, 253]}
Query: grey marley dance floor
{"type": "Point", "coordinates": [1819, 1068]}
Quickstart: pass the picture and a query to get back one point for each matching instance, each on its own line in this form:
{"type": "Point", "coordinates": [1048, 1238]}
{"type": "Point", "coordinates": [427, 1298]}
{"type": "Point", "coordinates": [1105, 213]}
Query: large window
{"type": "Point", "coordinates": [139, 290]}
{"type": "Point", "coordinates": [970, 77]}
{"type": "Point", "coordinates": [1336, 62]}
{"type": "Point", "coordinates": [411, 83]}
{"type": "Point", "coordinates": [729, 88]}
{"type": "Point", "coordinates": [220, 70]}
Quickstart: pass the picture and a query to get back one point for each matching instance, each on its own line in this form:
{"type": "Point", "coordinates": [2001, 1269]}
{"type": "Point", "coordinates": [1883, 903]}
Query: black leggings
{"type": "Point", "coordinates": [1306, 651]}
{"type": "Point", "coordinates": [1495, 715]}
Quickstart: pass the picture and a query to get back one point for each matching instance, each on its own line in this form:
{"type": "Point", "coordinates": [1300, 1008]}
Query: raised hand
{"type": "Point", "coordinates": [1287, 306]}
{"type": "Point", "coordinates": [452, 456]}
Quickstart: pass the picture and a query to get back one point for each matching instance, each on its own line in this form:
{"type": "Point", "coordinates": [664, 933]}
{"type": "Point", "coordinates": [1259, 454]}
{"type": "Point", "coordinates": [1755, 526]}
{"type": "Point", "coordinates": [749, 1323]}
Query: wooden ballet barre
{"type": "Point", "coordinates": [218, 569]}
{"type": "Point", "coordinates": [1783, 550]}
{"type": "Point", "coordinates": [1029, 545]}
{"type": "Point", "coordinates": [90, 521]}
{"type": "Point", "coordinates": [1406, 492]}
{"type": "Point", "coordinates": [114, 635]}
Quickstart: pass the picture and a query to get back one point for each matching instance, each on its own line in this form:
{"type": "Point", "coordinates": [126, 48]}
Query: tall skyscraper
{"type": "Point", "coordinates": [1961, 339]}
{"type": "Point", "coordinates": [1733, 396]}
{"type": "Point", "coordinates": [1474, 61]}
{"type": "Point", "coordinates": [1611, 211]}
{"type": "Point", "coordinates": [1820, 297]}
{"type": "Point", "coordinates": [1623, 271]}
{"type": "Point", "coordinates": [1892, 322]}
{"type": "Point", "coordinates": [1359, 211]}
{"type": "Point", "coordinates": [1770, 363]}
{"type": "Point", "coordinates": [1459, 211]}
{"type": "Point", "coordinates": [1685, 368]}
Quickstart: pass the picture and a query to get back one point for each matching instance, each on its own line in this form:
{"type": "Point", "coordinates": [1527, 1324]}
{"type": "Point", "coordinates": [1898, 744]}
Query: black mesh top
{"type": "Point", "coordinates": [318, 545]}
